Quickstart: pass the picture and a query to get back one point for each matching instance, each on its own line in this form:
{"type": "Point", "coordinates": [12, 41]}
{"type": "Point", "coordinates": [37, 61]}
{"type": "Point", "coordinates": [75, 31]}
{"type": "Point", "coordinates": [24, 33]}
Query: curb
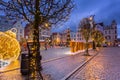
{"type": "Point", "coordinates": [80, 66]}
{"type": "Point", "coordinates": [45, 61]}
{"type": "Point", "coordinates": [9, 70]}
{"type": "Point", "coordinates": [53, 59]}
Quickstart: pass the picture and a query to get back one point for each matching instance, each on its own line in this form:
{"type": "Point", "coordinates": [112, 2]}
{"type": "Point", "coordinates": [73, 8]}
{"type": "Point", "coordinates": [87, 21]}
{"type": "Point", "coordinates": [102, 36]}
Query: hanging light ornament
{"type": "Point", "coordinates": [9, 46]}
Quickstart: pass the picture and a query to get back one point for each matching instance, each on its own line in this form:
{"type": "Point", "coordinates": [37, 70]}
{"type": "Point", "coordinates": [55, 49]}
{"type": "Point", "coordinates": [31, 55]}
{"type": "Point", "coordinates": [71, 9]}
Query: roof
{"type": "Point", "coordinates": [101, 23]}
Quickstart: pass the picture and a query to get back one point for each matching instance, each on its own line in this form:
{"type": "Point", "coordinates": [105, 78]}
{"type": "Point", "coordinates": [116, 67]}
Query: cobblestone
{"type": "Point", "coordinates": [12, 75]}
{"type": "Point", "coordinates": [54, 53]}
{"type": "Point", "coordinates": [105, 66]}
{"type": "Point", "coordinates": [62, 67]}
{"type": "Point", "coordinates": [56, 69]}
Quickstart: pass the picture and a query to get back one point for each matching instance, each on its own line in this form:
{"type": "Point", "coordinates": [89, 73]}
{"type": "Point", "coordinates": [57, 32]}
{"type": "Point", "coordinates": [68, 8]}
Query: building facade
{"type": "Point", "coordinates": [99, 27]}
{"type": "Point", "coordinates": [19, 30]}
{"type": "Point", "coordinates": [56, 38]}
{"type": "Point", "coordinates": [77, 37]}
{"type": "Point", "coordinates": [62, 38]}
{"type": "Point", "coordinates": [27, 31]}
{"type": "Point", "coordinates": [44, 33]}
{"type": "Point", "coordinates": [15, 26]}
{"type": "Point", "coordinates": [110, 33]}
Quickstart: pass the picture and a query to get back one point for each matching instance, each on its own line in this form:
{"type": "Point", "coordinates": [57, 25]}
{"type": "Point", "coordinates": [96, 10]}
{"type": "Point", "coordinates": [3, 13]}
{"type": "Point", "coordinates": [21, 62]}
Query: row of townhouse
{"type": "Point", "coordinates": [110, 34]}
{"type": "Point", "coordinates": [60, 38]}
{"type": "Point", "coordinates": [21, 32]}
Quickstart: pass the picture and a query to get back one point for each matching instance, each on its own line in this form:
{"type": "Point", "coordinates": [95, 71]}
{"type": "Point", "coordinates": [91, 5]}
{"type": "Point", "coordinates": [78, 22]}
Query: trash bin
{"type": "Point", "coordinates": [24, 64]}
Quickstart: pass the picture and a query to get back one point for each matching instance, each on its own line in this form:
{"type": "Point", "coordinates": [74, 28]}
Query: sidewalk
{"type": "Point", "coordinates": [47, 55]}
{"type": "Point", "coordinates": [57, 69]}
{"type": "Point", "coordinates": [51, 53]}
{"type": "Point", "coordinates": [13, 66]}
{"type": "Point", "coordinates": [62, 67]}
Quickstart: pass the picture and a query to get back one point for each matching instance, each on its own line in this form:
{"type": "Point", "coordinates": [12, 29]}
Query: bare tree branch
{"type": "Point", "coordinates": [37, 12]}
{"type": "Point", "coordinates": [52, 11]}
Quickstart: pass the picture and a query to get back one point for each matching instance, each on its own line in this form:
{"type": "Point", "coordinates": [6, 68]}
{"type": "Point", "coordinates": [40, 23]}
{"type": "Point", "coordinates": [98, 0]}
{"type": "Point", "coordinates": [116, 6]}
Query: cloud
{"type": "Point", "coordinates": [104, 11]}
{"type": "Point", "coordinates": [110, 12]}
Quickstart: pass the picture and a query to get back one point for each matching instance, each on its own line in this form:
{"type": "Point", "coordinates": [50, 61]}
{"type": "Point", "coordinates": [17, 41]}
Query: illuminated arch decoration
{"type": "Point", "coordinates": [9, 46]}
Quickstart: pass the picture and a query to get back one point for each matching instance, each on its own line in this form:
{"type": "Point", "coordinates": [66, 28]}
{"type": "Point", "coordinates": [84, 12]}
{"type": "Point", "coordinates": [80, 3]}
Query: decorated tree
{"type": "Point", "coordinates": [38, 13]}
{"type": "Point", "coordinates": [98, 37]}
{"type": "Point", "coordinates": [85, 29]}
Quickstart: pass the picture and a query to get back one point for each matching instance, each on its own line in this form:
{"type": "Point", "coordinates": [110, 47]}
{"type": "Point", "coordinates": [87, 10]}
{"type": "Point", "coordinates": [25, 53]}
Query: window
{"type": "Point", "coordinates": [105, 32]}
{"type": "Point", "coordinates": [115, 36]}
{"type": "Point", "coordinates": [106, 37]}
{"type": "Point", "coordinates": [20, 36]}
{"type": "Point", "coordinates": [20, 30]}
{"type": "Point", "coordinates": [115, 32]}
{"type": "Point", "coordinates": [109, 37]}
{"type": "Point", "coordinates": [6, 21]}
{"type": "Point", "coordinates": [80, 35]}
{"type": "Point", "coordinates": [109, 32]}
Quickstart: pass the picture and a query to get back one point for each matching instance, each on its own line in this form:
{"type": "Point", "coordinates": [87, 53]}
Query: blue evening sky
{"type": "Point", "coordinates": [104, 11]}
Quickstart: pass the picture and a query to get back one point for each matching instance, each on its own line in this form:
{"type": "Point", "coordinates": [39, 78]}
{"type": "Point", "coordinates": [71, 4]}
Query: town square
{"type": "Point", "coordinates": [59, 40]}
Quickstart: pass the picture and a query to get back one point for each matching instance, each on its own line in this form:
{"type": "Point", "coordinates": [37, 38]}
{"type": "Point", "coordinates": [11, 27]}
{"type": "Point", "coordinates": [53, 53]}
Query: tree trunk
{"type": "Point", "coordinates": [94, 46]}
{"type": "Point", "coordinates": [87, 53]}
{"type": "Point", "coordinates": [35, 57]}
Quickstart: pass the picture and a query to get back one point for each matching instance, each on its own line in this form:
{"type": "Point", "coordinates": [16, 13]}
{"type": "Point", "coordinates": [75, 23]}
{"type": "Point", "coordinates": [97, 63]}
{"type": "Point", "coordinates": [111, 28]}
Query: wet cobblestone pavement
{"type": "Point", "coordinates": [54, 53]}
{"type": "Point", "coordinates": [62, 67]}
{"type": "Point", "coordinates": [56, 69]}
{"type": "Point", "coordinates": [105, 66]}
{"type": "Point", "coordinates": [12, 75]}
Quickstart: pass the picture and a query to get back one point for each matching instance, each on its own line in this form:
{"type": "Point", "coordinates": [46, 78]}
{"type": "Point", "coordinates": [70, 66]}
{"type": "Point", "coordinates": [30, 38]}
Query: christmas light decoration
{"type": "Point", "coordinates": [9, 46]}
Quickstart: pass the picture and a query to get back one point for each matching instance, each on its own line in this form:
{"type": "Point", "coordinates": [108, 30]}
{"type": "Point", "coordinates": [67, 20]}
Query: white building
{"type": "Point", "coordinates": [73, 36]}
{"type": "Point", "coordinates": [19, 30]}
{"type": "Point", "coordinates": [110, 33]}
{"type": "Point", "coordinates": [44, 34]}
{"type": "Point", "coordinates": [77, 36]}
{"type": "Point", "coordinates": [6, 24]}
{"type": "Point", "coordinates": [99, 27]}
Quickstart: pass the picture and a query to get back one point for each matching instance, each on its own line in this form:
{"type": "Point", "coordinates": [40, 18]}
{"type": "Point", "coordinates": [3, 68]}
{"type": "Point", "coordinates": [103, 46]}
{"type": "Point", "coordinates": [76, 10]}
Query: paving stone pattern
{"type": "Point", "coordinates": [105, 66]}
{"type": "Point", "coordinates": [55, 69]}
{"type": "Point", "coordinates": [62, 67]}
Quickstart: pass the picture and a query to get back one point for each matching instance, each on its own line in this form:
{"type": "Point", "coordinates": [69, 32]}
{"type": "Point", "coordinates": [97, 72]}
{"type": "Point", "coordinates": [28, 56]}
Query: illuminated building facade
{"type": "Point", "coordinates": [20, 30]}
{"type": "Point", "coordinates": [110, 33]}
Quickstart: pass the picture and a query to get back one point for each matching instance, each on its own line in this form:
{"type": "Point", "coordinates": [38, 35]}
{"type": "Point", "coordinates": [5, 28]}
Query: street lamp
{"type": "Point", "coordinates": [92, 27]}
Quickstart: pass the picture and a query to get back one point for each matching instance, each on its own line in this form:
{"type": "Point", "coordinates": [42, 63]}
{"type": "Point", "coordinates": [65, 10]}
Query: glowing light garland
{"type": "Point", "coordinates": [9, 46]}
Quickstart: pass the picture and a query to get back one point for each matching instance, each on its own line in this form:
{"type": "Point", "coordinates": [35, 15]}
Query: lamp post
{"type": "Point", "coordinates": [68, 37]}
{"type": "Point", "coordinates": [92, 27]}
